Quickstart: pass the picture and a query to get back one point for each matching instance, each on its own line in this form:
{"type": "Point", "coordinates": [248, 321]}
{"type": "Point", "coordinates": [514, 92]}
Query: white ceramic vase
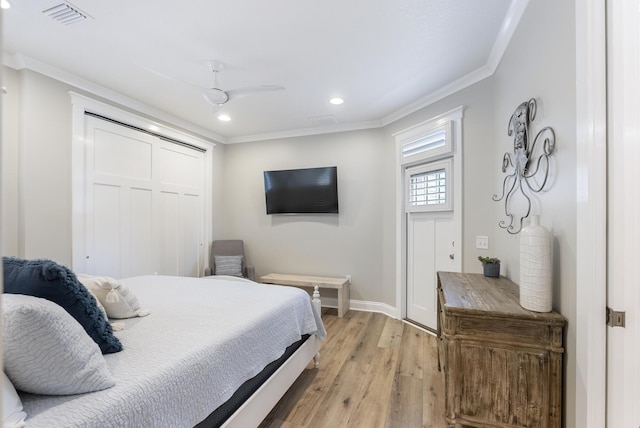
{"type": "Point", "coordinates": [535, 267]}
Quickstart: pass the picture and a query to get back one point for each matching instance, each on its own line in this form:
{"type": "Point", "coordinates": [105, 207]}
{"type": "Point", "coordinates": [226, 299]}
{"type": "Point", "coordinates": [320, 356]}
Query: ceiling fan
{"type": "Point", "coordinates": [218, 97]}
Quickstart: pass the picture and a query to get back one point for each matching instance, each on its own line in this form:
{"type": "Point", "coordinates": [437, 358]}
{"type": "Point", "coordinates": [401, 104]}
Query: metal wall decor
{"type": "Point", "coordinates": [529, 172]}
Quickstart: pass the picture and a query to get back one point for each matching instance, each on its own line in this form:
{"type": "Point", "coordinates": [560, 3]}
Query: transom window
{"type": "Point", "coordinates": [424, 142]}
{"type": "Point", "coordinates": [433, 141]}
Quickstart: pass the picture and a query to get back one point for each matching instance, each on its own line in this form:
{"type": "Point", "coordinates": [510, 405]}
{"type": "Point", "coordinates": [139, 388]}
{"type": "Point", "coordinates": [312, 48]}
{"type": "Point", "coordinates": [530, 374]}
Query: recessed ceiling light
{"type": "Point", "coordinates": [224, 118]}
{"type": "Point", "coordinates": [4, 4]}
{"type": "Point", "coordinates": [336, 101]}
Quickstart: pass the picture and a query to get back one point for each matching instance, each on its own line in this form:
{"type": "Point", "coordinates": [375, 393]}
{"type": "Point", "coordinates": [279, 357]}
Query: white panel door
{"type": "Point", "coordinates": [106, 220]}
{"type": "Point", "coordinates": [430, 248]}
{"type": "Point", "coordinates": [140, 258]}
{"type": "Point", "coordinates": [430, 237]}
{"type": "Point", "coordinates": [180, 172]}
{"type": "Point", "coordinates": [168, 241]}
{"type": "Point", "coordinates": [623, 211]}
{"type": "Point", "coordinates": [144, 206]}
{"type": "Point", "coordinates": [119, 184]}
{"type": "Point", "coordinates": [191, 233]}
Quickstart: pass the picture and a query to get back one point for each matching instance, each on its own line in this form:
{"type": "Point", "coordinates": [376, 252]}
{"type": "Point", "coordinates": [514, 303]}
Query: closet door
{"type": "Point", "coordinates": [144, 209]}
{"type": "Point", "coordinates": [179, 209]}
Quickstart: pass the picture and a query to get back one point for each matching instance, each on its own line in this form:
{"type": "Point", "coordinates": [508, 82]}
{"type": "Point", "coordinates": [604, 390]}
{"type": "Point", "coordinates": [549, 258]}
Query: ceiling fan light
{"type": "Point", "coordinates": [336, 101]}
{"type": "Point", "coordinates": [224, 117]}
{"type": "Point", "coordinates": [216, 97]}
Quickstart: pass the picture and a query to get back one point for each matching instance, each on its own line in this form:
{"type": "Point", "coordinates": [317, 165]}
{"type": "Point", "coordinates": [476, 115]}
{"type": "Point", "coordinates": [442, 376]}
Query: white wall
{"type": "Point", "coordinates": [218, 209]}
{"type": "Point", "coordinates": [349, 243]}
{"type": "Point", "coordinates": [45, 168]}
{"type": "Point", "coordinates": [9, 167]}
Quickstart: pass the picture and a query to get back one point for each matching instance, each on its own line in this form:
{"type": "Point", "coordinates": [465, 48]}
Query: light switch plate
{"type": "Point", "coordinates": [482, 242]}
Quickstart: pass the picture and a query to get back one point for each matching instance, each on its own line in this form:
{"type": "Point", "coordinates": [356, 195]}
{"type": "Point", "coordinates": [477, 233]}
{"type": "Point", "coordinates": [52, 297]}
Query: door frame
{"type": "Point", "coordinates": [623, 124]}
{"type": "Point", "coordinates": [591, 181]}
{"type": "Point", "coordinates": [455, 116]}
{"type": "Point", "coordinates": [81, 104]}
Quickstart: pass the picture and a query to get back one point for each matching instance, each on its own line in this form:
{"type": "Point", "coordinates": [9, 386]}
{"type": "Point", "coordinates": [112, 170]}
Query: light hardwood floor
{"type": "Point", "coordinates": [375, 371]}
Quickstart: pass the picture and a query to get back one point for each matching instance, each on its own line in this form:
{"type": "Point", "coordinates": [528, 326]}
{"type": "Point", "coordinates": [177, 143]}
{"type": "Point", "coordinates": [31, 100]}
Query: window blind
{"type": "Point", "coordinates": [428, 188]}
{"type": "Point", "coordinates": [431, 141]}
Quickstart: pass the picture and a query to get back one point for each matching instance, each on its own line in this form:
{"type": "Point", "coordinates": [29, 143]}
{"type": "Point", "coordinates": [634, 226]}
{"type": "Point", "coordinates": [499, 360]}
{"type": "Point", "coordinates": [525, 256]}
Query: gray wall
{"type": "Point", "coordinates": [540, 62]}
{"type": "Point", "coordinates": [349, 243]}
{"type": "Point", "coordinates": [365, 229]}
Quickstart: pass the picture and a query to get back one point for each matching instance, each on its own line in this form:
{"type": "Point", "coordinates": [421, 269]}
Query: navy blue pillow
{"type": "Point", "coordinates": [49, 280]}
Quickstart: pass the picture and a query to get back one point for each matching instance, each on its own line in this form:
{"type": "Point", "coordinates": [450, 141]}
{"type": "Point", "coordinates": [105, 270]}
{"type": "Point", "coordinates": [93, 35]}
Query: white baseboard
{"type": "Point", "coordinates": [361, 305]}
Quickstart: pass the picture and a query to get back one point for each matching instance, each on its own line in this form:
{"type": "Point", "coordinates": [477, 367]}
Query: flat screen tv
{"type": "Point", "coordinates": [302, 191]}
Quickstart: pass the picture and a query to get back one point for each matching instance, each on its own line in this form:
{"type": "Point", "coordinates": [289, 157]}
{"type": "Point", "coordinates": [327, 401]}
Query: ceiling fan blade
{"type": "Point", "coordinates": [170, 78]}
{"type": "Point", "coordinates": [243, 92]}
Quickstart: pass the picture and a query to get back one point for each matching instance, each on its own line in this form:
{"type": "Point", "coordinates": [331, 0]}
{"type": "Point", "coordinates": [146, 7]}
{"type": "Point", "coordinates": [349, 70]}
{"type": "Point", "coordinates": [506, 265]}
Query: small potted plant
{"type": "Point", "coordinates": [491, 266]}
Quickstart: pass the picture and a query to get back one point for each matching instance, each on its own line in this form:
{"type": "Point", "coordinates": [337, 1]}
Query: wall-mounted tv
{"type": "Point", "coordinates": [302, 191]}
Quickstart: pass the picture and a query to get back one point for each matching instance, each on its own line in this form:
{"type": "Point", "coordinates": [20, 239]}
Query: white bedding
{"type": "Point", "coordinates": [203, 339]}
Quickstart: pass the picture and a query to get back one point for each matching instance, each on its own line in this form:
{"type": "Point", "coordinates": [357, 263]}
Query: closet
{"type": "Point", "coordinates": [142, 203]}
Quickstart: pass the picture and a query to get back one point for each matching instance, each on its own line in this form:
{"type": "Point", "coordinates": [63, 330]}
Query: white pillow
{"type": "Point", "coordinates": [115, 326]}
{"type": "Point", "coordinates": [118, 301]}
{"type": "Point", "coordinates": [13, 415]}
{"type": "Point", "coordinates": [46, 351]}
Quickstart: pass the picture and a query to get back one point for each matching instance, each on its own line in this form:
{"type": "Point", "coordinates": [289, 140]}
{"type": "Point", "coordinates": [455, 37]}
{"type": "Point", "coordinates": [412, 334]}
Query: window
{"type": "Point", "coordinates": [425, 141]}
{"type": "Point", "coordinates": [432, 141]}
{"type": "Point", "coordinates": [428, 187]}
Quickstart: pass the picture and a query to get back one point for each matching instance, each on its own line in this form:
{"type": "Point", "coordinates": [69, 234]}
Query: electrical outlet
{"type": "Point", "coordinates": [349, 278]}
{"type": "Point", "coordinates": [482, 242]}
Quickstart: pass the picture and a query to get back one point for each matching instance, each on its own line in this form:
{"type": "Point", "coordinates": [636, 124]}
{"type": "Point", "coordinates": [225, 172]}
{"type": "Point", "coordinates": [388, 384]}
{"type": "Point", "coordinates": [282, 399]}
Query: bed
{"type": "Point", "coordinates": [204, 339]}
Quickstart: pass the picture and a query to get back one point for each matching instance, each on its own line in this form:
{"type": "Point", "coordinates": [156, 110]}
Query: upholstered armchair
{"type": "Point", "coordinates": [231, 259]}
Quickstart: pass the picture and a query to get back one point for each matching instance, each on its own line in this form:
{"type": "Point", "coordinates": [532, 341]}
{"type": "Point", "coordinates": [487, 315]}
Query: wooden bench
{"type": "Point", "coordinates": [340, 284]}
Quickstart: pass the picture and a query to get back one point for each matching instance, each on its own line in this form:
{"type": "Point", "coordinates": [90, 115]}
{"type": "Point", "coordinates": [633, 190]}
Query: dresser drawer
{"type": "Point", "coordinates": [504, 330]}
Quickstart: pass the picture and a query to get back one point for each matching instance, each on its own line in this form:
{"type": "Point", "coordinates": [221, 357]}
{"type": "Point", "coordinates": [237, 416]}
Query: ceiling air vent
{"type": "Point", "coordinates": [66, 13]}
{"type": "Point", "coordinates": [325, 120]}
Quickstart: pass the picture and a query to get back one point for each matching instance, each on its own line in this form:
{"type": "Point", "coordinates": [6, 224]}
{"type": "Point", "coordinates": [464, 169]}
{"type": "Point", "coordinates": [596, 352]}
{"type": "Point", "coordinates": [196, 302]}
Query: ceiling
{"type": "Point", "coordinates": [385, 58]}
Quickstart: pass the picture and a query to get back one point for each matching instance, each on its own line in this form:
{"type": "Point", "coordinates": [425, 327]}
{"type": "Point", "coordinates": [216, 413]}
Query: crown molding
{"type": "Point", "coordinates": [374, 124]}
{"type": "Point", "coordinates": [445, 91]}
{"type": "Point", "coordinates": [509, 25]}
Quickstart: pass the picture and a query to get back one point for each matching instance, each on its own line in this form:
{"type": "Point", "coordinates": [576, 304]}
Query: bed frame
{"type": "Point", "coordinates": [258, 406]}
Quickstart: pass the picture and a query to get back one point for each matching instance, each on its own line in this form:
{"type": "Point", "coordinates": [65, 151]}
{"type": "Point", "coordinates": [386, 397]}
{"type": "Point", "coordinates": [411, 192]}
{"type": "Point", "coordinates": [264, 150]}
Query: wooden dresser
{"type": "Point", "coordinates": [502, 363]}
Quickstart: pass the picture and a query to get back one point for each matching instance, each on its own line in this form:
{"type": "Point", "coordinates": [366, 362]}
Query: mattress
{"type": "Point", "coordinates": [203, 339]}
{"type": "Point", "coordinates": [244, 392]}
